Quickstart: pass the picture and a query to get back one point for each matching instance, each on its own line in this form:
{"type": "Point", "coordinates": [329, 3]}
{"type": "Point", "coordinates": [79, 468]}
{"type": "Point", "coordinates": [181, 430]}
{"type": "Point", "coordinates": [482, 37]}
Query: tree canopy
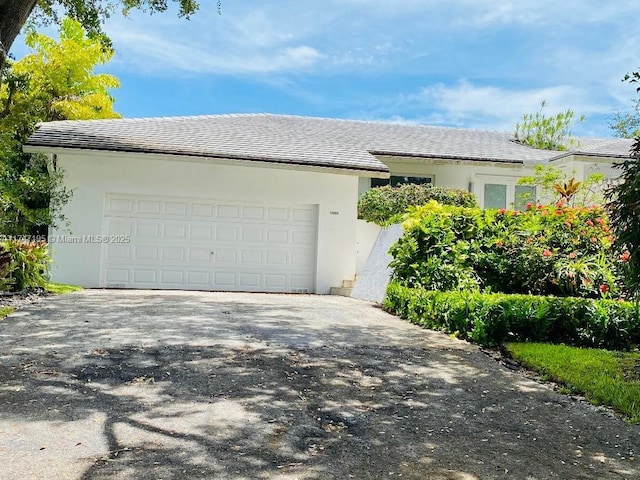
{"type": "Point", "coordinates": [624, 206]}
{"type": "Point", "coordinates": [626, 124]}
{"type": "Point", "coordinates": [546, 132]}
{"type": "Point", "coordinates": [90, 13]}
{"type": "Point", "coordinates": [55, 82]}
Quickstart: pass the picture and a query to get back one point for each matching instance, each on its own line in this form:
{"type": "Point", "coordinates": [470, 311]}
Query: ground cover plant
{"type": "Point", "coordinates": [603, 377]}
{"type": "Point", "coordinates": [5, 311]}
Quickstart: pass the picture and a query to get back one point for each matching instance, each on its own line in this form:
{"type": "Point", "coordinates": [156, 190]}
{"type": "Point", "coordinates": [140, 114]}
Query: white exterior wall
{"type": "Point", "coordinates": [472, 176]}
{"type": "Point", "coordinates": [92, 175]}
{"type": "Point", "coordinates": [366, 236]}
{"type": "Point", "coordinates": [465, 175]}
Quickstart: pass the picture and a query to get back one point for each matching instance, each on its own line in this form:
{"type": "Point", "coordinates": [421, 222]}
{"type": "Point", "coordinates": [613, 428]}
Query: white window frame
{"type": "Point", "coordinates": [510, 182]}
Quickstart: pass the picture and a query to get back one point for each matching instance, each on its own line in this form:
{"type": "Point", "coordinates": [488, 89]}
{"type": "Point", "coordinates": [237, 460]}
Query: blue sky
{"type": "Point", "coordinates": [464, 63]}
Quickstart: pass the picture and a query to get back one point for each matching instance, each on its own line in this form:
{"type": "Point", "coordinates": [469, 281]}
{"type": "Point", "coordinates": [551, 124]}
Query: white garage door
{"type": "Point", "coordinates": [178, 243]}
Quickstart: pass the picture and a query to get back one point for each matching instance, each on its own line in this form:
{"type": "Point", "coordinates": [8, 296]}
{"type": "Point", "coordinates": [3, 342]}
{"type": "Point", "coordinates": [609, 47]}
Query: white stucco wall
{"type": "Point", "coordinates": [366, 235]}
{"type": "Point", "coordinates": [472, 176]}
{"type": "Point", "coordinates": [92, 175]}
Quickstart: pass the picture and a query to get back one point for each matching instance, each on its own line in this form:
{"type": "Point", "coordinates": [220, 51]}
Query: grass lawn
{"type": "Point", "coordinates": [603, 377]}
{"type": "Point", "coordinates": [4, 311]}
{"type": "Point", "coordinates": [60, 288]}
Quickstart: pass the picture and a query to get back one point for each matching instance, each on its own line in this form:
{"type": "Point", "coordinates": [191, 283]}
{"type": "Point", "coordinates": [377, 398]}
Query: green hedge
{"type": "Point", "coordinates": [385, 205]}
{"type": "Point", "coordinates": [23, 265]}
{"type": "Point", "coordinates": [493, 319]}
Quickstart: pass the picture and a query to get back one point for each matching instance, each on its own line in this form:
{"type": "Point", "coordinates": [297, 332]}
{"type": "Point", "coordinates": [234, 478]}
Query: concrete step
{"type": "Point", "coordinates": [348, 283]}
{"type": "Point", "coordinates": [344, 292]}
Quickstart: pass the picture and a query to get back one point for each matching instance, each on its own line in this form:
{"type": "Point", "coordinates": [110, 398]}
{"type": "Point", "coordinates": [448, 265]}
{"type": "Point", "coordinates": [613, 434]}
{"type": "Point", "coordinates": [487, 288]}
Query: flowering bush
{"type": "Point", "coordinates": [546, 250]}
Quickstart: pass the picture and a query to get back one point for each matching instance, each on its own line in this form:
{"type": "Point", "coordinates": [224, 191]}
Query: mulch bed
{"type": "Point", "coordinates": [22, 298]}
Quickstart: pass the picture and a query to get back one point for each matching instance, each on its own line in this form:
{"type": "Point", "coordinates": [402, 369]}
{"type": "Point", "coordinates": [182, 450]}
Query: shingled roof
{"type": "Point", "coordinates": [296, 140]}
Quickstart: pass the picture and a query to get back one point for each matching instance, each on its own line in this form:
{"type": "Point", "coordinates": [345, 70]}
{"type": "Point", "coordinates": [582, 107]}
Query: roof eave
{"type": "Point", "coordinates": [382, 172]}
{"type": "Point", "coordinates": [446, 157]}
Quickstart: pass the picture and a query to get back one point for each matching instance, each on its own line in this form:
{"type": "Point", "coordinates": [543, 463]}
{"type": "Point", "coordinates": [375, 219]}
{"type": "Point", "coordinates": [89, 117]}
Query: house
{"type": "Point", "coordinates": [259, 202]}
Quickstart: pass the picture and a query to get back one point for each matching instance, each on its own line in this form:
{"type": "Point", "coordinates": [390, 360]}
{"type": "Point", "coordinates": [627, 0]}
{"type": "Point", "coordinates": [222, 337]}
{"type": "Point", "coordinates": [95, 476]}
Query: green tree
{"type": "Point", "coordinates": [624, 211]}
{"type": "Point", "coordinates": [90, 13]}
{"type": "Point", "coordinates": [626, 124]}
{"type": "Point", "coordinates": [624, 208]}
{"type": "Point", "coordinates": [55, 82]}
{"type": "Point", "coordinates": [546, 132]}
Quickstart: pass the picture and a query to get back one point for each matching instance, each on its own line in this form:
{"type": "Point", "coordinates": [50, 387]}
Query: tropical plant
{"type": "Point", "coordinates": [554, 185]}
{"type": "Point", "coordinates": [547, 132]}
{"type": "Point", "coordinates": [55, 82]}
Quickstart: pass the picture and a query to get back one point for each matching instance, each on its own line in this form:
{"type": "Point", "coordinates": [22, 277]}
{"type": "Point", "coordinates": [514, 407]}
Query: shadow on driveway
{"type": "Point", "coordinates": [138, 385]}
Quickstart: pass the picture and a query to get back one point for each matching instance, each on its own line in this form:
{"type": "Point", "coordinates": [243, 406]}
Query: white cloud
{"type": "Point", "coordinates": [487, 107]}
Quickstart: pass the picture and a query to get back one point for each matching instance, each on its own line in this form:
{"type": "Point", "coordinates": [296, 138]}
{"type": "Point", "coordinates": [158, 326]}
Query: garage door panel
{"type": "Point", "coordinates": [278, 214]}
{"type": "Point", "coordinates": [173, 254]}
{"type": "Point", "coordinates": [253, 213]}
{"type": "Point", "coordinates": [175, 208]}
{"type": "Point", "coordinates": [119, 251]}
{"type": "Point", "coordinates": [250, 257]}
{"type": "Point", "coordinates": [117, 276]}
{"type": "Point", "coordinates": [199, 279]}
{"type": "Point", "coordinates": [145, 277]}
{"type": "Point", "coordinates": [149, 206]}
{"type": "Point", "coordinates": [209, 245]}
{"type": "Point", "coordinates": [171, 277]}
{"type": "Point", "coordinates": [226, 233]}
{"type": "Point", "coordinates": [228, 211]}
{"type": "Point", "coordinates": [252, 234]}
{"type": "Point", "coordinates": [277, 236]}
{"type": "Point", "coordinates": [146, 230]}
{"type": "Point", "coordinates": [199, 209]}
{"type": "Point", "coordinates": [225, 279]}
{"type": "Point", "coordinates": [222, 256]}
{"type": "Point", "coordinates": [201, 233]}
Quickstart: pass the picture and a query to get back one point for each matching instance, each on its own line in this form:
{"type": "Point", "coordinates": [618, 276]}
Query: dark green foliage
{"type": "Point", "coordinates": [385, 205]}
{"type": "Point", "coordinates": [558, 250]}
{"type": "Point", "coordinates": [492, 319]}
{"type": "Point", "coordinates": [23, 265]}
{"type": "Point", "coordinates": [624, 210]}
{"type": "Point", "coordinates": [91, 14]}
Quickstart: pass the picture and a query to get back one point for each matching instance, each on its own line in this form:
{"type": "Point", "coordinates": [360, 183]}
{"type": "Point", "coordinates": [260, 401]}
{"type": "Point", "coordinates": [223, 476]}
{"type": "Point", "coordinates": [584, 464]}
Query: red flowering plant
{"type": "Point", "coordinates": [545, 250]}
{"type": "Point", "coordinates": [560, 250]}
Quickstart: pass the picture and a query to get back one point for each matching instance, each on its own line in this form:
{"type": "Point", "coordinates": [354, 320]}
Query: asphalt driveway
{"type": "Point", "coordinates": [150, 385]}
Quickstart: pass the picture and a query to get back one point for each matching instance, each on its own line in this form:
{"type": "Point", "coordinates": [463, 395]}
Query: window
{"type": "Point", "coordinates": [523, 195]}
{"type": "Point", "coordinates": [495, 195]}
{"type": "Point", "coordinates": [504, 192]}
{"type": "Point", "coordinates": [396, 180]}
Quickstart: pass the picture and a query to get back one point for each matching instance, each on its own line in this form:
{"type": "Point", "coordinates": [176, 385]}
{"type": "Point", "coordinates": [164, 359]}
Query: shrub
{"type": "Point", "coordinates": [23, 265]}
{"type": "Point", "coordinates": [558, 250]}
{"type": "Point", "coordinates": [492, 319]}
{"type": "Point", "coordinates": [385, 205]}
